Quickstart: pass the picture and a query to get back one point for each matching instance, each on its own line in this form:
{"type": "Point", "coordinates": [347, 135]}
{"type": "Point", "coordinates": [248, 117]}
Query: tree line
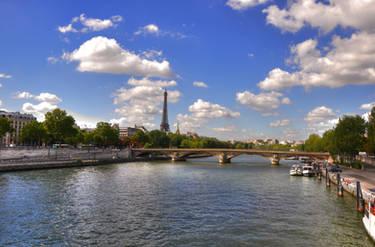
{"type": "Point", "coordinates": [351, 135]}
{"type": "Point", "coordinates": [58, 128]}
{"type": "Point", "coordinates": [160, 139]}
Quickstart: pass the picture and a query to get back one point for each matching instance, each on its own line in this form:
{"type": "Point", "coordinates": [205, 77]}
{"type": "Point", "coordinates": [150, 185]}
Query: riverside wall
{"type": "Point", "coordinates": [349, 178]}
{"type": "Point", "coordinates": [20, 160]}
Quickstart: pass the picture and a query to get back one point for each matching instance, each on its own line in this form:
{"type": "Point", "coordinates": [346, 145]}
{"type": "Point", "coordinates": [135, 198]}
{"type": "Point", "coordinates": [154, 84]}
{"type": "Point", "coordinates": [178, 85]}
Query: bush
{"type": "Point", "coordinates": [79, 161]}
{"type": "Point", "coordinates": [147, 145]}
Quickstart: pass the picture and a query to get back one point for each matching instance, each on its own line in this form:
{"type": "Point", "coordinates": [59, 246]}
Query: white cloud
{"type": "Point", "coordinates": [280, 123]}
{"type": "Point", "coordinates": [270, 114]}
{"type": "Point", "coordinates": [48, 97]}
{"type": "Point", "coordinates": [250, 55]}
{"type": "Point", "coordinates": [42, 97]}
{"type": "Point", "coordinates": [95, 24]}
{"type": "Point", "coordinates": [38, 110]}
{"type": "Point", "coordinates": [140, 104]}
{"type": "Point", "coordinates": [282, 19]}
{"type": "Point", "coordinates": [84, 121]}
{"type": "Point", "coordinates": [200, 84]}
{"type": "Point", "coordinates": [291, 134]}
{"type": "Point", "coordinates": [359, 14]}
{"type": "Point", "coordinates": [153, 83]}
{"type": "Point", "coordinates": [349, 62]}
{"type": "Point", "coordinates": [201, 113]}
{"type": "Point", "coordinates": [67, 29]}
{"type": "Point", "coordinates": [145, 94]}
{"type": "Point", "coordinates": [5, 76]}
{"type": "Point", "coordinates": [90, 24]}
{"type": "Point", "coordinates": [1, 85]}
{"type": "Point", "coordinates": [205, 109]}
{"type": "Point", "coordinates": [153, 29]}
{"type": "Point", "coordinates": [260, 102]}
{"type": "Point", "coordinates": [367, 107]}
{"type": "Point", "coordinates": [286, 101]}
{"type": "Point", "coordinates": [52, 60]}
{"type": "Point", "coordinates": [152, 54]}
{"type": "Point", "coordinates": [320, 119]}
{"type": "Point", "coordinates": [117, 18]}
{"type": "Point", "coordinates": [23, 95]}
{"type": "Point", "coordinates": [319, 114]}
{"type": "Point", "coordinates": [148, 29]}
{"type": "Point", "coordinates": [278, 79]}
{"type": "Point", "coordinates": [230, 128]}
{"type": "Point", "coordinates": [244, 4]}
{"type": "Point", "coordinates": [189, 122]}
{"type": "Point", "coordinates": [104, 55]}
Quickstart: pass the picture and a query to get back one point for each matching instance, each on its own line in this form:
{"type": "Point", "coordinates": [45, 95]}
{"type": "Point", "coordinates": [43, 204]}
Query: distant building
{"type": "Point", "coordinates": [125, 132]}
{"type": "Point", "coordinates": [299, 142]}
{"type": "Point", "coordinates": [18, 120]}
{"type": "Point", "coordinates": [192, 135]}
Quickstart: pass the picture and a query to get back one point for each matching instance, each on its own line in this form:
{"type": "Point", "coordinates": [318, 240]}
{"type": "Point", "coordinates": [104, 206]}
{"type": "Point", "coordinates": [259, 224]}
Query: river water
{"type": "Point", "coordinates": [199, 203]}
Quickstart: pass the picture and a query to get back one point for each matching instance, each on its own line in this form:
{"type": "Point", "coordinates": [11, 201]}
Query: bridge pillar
{"type": "Point", "coordinates": [176, 157]}
{"type": "Point", "coordinates": [223, 158]}
{"type": "Point", "coordinates": [275, 160]}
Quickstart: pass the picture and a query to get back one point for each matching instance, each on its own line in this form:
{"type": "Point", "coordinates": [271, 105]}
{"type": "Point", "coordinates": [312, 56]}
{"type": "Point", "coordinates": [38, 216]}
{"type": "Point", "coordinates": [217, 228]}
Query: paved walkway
{"type": "Point", "coordinates": [366, 177]}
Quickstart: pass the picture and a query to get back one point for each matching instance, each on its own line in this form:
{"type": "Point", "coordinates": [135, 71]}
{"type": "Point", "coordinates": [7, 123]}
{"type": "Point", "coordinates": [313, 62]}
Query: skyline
{"type": "Point", "coordinates": [237, 68]}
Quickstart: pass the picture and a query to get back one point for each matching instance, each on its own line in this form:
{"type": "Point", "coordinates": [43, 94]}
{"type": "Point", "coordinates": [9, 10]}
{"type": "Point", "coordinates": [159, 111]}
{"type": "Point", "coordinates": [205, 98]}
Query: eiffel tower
{"type": "Point", "coordinates": [164, 126]}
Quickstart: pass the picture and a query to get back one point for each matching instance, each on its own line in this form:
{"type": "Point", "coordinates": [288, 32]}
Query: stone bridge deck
{"type": "Point", "coordinates": [225, 155]}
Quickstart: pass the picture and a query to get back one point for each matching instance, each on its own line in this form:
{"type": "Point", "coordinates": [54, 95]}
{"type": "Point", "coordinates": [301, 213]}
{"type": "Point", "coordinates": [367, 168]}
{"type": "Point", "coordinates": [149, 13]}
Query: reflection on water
{"type": "Point", "coordinates": [200, 203]}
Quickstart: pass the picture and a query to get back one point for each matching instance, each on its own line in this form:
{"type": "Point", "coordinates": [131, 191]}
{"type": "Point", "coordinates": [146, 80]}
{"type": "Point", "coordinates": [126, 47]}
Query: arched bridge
{"type": "Point", "coordinates": [224, 155]}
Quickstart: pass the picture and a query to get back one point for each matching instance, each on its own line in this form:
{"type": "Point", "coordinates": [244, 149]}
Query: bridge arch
{"type": "Point", "coordinates": [225, 155]}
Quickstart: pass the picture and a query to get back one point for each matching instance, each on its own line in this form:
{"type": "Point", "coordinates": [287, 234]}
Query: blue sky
{"type": "Point", "coordinates": [234, 69]}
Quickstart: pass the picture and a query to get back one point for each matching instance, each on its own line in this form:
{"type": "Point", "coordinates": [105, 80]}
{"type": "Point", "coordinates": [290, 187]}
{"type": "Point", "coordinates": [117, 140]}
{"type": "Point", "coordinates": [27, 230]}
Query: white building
{"type": "Point", "coordinates": [18, 120]}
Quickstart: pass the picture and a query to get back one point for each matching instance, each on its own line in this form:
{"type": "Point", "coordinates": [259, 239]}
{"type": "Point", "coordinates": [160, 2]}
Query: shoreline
{"type": "Point", "coordinates": [349, 178]}
{"type": "Point", "coordinates": [52, 164]}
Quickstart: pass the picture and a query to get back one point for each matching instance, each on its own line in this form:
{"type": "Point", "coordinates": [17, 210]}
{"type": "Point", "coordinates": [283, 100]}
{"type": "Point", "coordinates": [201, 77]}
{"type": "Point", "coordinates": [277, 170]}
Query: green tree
{"type": "Point", "coordinates": [158, 139]}
{"type": "Point", "coordinates": [176, 140]}
{"type": "Point", "coordinates": [88, 137]}
{"type": "Point", "coordinates": [140, 137]}
{"type": "Point", "coordinates": [328, 142]}
{"type": "Point", "coordinates": [314, 143]}
{"type": "Point", "coordinates": [76, 138]}
{"type": "Point", "coordinates": [106, 135]}
{"type": "Point", "coordinates": [240, 145]}
{"type": "Point", "coordinates": [59, 125]}
{"type": "Point", "coordinates": [349, 136]}
{"type": "Point", "coordinates": [5, 126]}
{"type": "Point", "coordinates": [33, 133]}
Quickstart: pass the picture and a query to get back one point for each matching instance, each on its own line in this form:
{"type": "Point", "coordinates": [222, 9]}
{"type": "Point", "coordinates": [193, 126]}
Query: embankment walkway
{"type": "Point", "coordinates": [350, 176]}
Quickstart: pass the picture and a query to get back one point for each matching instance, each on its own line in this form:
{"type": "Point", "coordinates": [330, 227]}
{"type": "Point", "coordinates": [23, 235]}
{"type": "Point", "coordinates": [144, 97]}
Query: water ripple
{"type": "Point", "coordinates": [181, 204]}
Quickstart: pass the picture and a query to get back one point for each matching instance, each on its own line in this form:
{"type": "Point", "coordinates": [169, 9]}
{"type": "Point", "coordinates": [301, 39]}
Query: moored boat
{"type": "Point", "coordinates": [307, 170]}
{"type": "Point", "coordinates": [295, 170]}
{"type": "Point", "coordinates": [369, 219]}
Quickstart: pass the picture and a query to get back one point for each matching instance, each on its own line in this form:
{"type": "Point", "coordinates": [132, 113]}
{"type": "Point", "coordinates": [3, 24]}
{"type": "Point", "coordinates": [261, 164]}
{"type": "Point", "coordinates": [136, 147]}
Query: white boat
{"type": "Point", "coordinates": [295, 170]}
{"type": "Point", "coordinates": [369, 219]}
{"type": "Point", "coordinates": [307, 170]}
{"type": "Point", "coordinates": [305, 160]}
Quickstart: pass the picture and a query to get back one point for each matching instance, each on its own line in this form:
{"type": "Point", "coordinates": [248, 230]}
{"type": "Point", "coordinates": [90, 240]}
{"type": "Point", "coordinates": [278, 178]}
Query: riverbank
{"type": "Point", "coordinates": [350, 176]}
{"type": "Point", "coordinates": [68, 163]}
